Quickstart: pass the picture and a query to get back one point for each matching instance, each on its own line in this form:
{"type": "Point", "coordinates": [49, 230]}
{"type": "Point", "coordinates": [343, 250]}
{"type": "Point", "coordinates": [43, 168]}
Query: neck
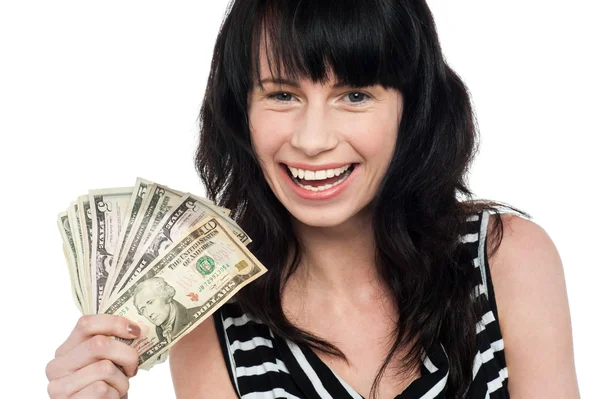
{"type": "Point", "coordinates": [338, 260]}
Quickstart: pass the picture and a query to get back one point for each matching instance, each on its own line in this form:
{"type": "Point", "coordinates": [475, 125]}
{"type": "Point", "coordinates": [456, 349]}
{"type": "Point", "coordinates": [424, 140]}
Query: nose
{"type": "Point", "coordinates": [315, 134]}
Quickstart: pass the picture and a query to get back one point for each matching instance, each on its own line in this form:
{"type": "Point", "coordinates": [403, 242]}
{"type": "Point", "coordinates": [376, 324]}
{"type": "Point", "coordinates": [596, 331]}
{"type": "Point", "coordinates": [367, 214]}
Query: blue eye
{"type": "Point", "coordinates": [353, 95]}
{"type": "Point", "coordinates": [275, 95]}
{"type": "Point", "coordinates": [284, 97]}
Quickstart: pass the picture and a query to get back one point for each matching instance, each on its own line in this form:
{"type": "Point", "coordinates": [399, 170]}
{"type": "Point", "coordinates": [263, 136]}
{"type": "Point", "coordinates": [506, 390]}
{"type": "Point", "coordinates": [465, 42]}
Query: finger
{"type": "Point", "coordinates": [104, 370]}
{"type": "Point", "coordinates": [94, 349]}
{"type": "Point", "coordinates": [98, 324]}
{"type": "Point", "coordinates": [98, 390]}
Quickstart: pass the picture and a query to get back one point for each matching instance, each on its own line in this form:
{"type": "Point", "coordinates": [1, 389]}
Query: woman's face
{"type": "Point", "coordinates": [323, 149]}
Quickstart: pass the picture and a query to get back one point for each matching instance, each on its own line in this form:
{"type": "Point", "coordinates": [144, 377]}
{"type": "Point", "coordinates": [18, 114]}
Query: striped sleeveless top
{"type": "Point", "coordinates": [264, 366]}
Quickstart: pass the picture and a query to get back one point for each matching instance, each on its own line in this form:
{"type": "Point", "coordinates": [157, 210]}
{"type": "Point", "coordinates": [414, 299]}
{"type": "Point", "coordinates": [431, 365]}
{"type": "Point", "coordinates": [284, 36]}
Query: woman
{"type": "Point", "coordinates": [341, 140]}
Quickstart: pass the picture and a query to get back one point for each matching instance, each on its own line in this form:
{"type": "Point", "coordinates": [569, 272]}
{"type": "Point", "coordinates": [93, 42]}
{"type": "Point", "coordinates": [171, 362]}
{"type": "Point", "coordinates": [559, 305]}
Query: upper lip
{"type": "Point", "coordinates": [305, 166]}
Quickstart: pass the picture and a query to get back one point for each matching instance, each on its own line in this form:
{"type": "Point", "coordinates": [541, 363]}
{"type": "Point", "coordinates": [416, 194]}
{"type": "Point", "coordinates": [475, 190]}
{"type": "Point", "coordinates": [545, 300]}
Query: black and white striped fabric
{"type": "Point", "coordinates": [263, 366]}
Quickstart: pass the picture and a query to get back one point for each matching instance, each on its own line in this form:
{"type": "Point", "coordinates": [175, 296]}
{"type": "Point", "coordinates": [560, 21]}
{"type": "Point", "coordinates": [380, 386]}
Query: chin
{"type": "Point", "coordinates": [316, 218]}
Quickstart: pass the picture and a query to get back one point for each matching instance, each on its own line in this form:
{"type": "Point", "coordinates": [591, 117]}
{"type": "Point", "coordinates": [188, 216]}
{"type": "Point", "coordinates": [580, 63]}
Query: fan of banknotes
{"type": "Point", "coordinates": [164, 259]}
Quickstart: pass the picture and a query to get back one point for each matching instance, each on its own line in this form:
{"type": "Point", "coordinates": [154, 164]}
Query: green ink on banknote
{"type": "Point", "coordinates": [205, 265]}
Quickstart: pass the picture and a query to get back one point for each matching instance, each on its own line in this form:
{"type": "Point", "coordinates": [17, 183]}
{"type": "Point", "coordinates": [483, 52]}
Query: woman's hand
{"type": "Point", "coordinates": [85, 365]}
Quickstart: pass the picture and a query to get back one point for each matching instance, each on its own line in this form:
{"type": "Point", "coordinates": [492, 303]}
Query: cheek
{"type": "Point", "coordinates": [374, 138]}
{"type": "Point", "coordinates": [268, 132]}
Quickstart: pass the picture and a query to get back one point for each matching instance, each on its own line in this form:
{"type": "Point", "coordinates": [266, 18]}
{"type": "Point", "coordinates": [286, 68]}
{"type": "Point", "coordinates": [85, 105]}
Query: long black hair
{"type": "Point", "coordinates": [422, 205]}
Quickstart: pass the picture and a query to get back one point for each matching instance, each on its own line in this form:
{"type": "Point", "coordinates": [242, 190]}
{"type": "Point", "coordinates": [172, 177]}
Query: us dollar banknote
{"type": "Point", "coordinates": [131, 216]}
{"type": "Point", "coordinates": [174, 224]}
{"type": "Point", "coordinates": [66, 232]}
{"type": "Point", "coordinates": [85, 219]}
{"type": "Point", "coordinates": [139, 193]}
{"type": "Point", "coordinates": [184, 285]}
{"type": "Point", "coordinates": [222, 213]}
{"type": "Point", "coordinates": [159, 200]}
{"type": "Point", "coordinates": [74, 223]}
{"type": "Point", "coordinates": [76, 297]}
{"type": "Point", "coordinates": [165, 238]}
{"type": "Point", "coordinates": [107, 208]}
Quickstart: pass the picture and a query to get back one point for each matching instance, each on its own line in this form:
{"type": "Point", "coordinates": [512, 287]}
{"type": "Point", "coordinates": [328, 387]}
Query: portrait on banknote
{"type": "Point", "coordinates": [154, 299]}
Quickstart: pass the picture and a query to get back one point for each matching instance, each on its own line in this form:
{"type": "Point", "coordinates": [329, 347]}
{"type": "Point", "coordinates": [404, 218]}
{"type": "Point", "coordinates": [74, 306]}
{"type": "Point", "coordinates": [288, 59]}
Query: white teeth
{"type": "Point", "coordinates": [320, 175]}
{"type": "Point", "coordinates": [324, 187]}
{"type": "Point", "coordinates": [341, 170]}
{"type": "Point", "coordinates": [317, 174]}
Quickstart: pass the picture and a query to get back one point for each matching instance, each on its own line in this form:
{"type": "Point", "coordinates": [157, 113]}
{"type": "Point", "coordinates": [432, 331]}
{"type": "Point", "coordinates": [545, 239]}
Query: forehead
{"type": "Point", "coordinates": [271, 68]}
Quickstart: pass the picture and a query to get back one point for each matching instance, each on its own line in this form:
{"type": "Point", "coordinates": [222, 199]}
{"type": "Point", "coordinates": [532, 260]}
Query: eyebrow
{"type": "Point", "coordinates": [293, 83]}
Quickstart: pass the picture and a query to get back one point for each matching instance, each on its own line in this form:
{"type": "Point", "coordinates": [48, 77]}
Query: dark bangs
{"type": "Point", "coordinates": [354, 38]}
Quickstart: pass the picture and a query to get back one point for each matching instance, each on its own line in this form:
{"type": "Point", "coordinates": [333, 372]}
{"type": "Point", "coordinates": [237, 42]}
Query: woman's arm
{"type": "Point", "coordinates": [533, 312]}
{"type": "Point", "coordinates": [198, 369]}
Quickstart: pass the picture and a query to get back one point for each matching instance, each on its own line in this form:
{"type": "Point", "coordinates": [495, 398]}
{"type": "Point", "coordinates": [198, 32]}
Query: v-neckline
{"type": "Point", "coordinates": [434, 374]}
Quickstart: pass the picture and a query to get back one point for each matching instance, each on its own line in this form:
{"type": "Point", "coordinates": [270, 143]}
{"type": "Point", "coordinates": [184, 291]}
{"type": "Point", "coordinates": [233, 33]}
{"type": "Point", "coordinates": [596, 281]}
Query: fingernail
{"type": "Point", "coordinates": [133, 330]}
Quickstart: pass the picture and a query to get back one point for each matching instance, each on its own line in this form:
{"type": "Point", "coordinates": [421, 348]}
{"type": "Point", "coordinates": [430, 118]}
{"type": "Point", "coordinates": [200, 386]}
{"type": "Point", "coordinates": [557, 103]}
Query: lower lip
{"type": "Point", "coordinates": [318, 195]}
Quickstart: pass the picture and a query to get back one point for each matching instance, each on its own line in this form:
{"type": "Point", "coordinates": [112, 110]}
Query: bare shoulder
{"type": "Point", "coordinates": [197, 365]}
{"type": "Point", "coordinates": [533, 310]}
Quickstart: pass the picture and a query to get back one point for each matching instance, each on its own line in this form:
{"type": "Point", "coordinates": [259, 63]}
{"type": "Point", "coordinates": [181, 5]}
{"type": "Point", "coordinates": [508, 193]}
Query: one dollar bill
{"type": "Point", "coordinates": [107, 208]}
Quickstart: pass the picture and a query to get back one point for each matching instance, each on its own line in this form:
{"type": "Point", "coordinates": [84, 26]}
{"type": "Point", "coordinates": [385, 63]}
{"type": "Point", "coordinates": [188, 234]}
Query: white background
{"type": "Point", "coordinates": [94, 94]}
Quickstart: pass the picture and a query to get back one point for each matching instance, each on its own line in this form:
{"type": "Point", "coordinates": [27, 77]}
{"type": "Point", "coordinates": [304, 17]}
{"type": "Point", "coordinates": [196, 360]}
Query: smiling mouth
{"type": "Point", "coordinates": [319, 180]}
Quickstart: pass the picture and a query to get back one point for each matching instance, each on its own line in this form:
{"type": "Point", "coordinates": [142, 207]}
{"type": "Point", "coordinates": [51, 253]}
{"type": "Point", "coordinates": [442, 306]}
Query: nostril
{"type": "Point", "coordinates": [312, 144]}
